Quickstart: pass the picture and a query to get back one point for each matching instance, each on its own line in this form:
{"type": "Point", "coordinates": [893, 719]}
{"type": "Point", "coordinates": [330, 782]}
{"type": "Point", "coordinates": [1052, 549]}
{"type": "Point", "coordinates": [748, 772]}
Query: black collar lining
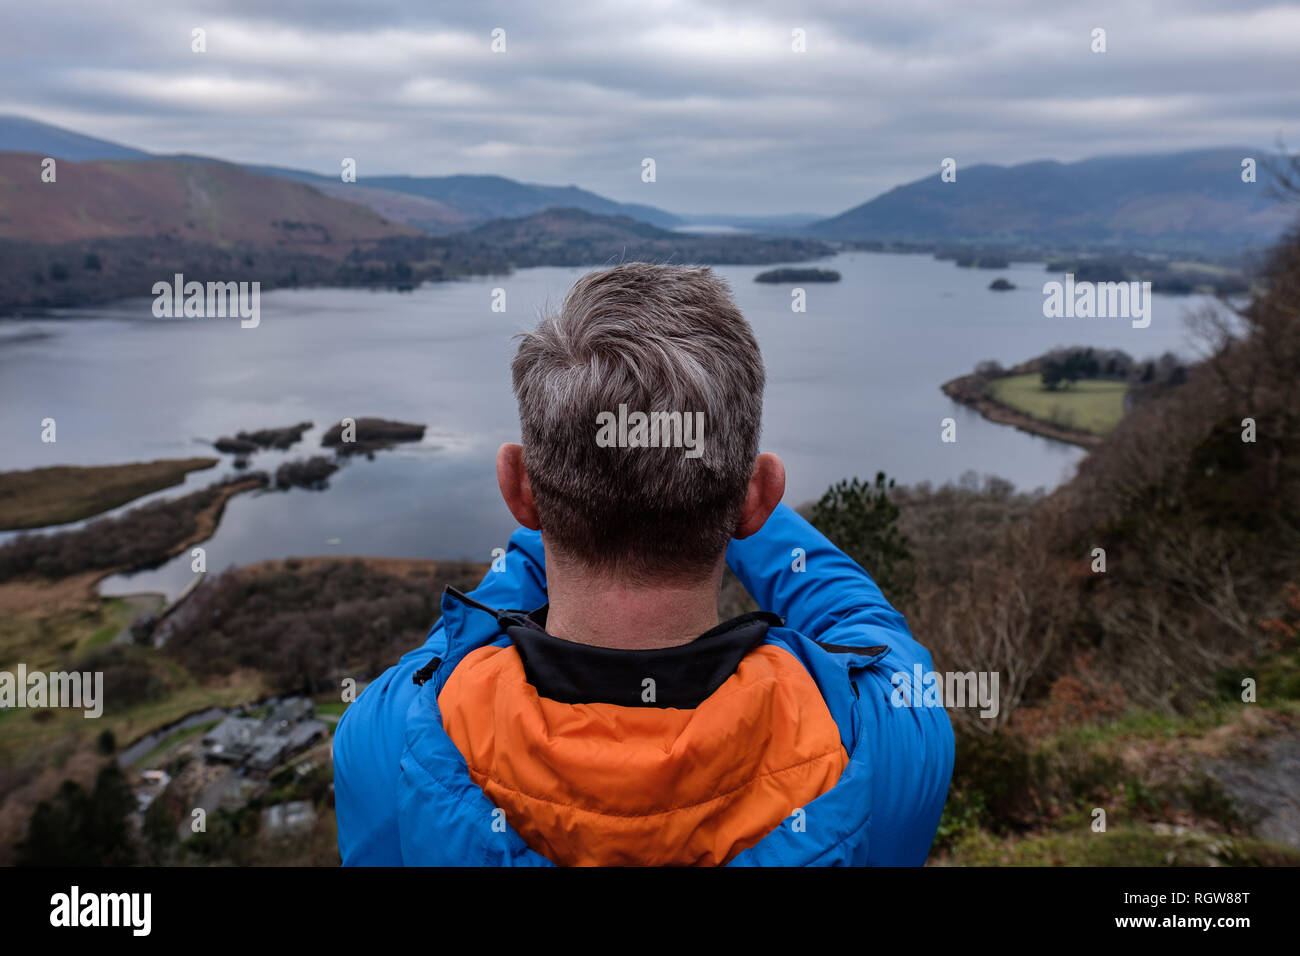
{"type": "Point", "coordinates": [680, 677]}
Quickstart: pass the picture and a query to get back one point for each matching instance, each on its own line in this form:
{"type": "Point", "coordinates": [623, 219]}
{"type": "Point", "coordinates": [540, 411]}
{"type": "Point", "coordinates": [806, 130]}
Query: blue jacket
{"type": "Point", "coordinates": [403, 792]}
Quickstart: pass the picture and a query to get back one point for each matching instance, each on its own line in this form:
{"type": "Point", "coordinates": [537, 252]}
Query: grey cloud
{"type": "Point", "coordinates": [736, 122]}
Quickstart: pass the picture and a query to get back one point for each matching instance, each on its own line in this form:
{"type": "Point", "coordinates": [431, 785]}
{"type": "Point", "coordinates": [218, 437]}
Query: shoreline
{"type": "Point", "coordinates": [44, 499]}
{"type": "Point", "coordinates": [29, 593]}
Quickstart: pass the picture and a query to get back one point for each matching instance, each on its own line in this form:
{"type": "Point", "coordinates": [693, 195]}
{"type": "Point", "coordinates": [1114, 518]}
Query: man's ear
{"type": "Point", "coordinates": [515, 489]}
{"type": "Point", "coordinates": [766, 487]}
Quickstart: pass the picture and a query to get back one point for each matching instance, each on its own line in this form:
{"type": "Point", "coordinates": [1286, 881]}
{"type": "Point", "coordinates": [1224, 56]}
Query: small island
{"type": "Point", "coordinates": [245, 443]}
{"type": "Point", "coordinates": [798, 275]}
{"type": "Point", "coordinates": [310, 473]}
{"type": "Point", "coordinates": [1001, 285]}
{"type": "Point", "coordinates": [369, 435]}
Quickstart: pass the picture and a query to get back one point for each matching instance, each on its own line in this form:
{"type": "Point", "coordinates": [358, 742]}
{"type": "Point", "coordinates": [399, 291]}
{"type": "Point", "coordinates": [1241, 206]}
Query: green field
{"type": "Point", "coordinates": [1090, 406]}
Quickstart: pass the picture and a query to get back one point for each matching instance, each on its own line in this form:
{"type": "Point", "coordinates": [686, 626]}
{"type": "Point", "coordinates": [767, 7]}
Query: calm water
{"type": "Point", "coordinates": [853, 388]}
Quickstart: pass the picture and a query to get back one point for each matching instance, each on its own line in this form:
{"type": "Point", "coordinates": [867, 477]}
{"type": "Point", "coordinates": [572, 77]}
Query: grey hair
{"type": "Point", "coordinates": [654, 338]}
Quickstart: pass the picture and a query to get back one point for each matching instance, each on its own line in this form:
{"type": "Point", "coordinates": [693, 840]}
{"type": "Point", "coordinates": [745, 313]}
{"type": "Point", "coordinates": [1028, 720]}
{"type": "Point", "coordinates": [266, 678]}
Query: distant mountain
{"type": "Point", "coordinates": [19, 134]}
{"type": "Point", "coordinates": [208, 202]}
{"type": "Point", "coordinates": [495, 197]}
{"type": "Point", "coordinates": [1189, 201]}
{"type": "Point", "coordinates": [575, 237]}
{"type": "Point", "coordinates": [112, 229]}
{"type": "Point", "coordinates": [441, 204]}
{"type": "Point", "coordinates": [444, 204]}
{"type": "Point", "coordinates": [428, 215]}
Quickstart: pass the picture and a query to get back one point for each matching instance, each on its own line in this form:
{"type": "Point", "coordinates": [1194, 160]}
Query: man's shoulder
{"type": "Point", "coordinates": [381, 706]}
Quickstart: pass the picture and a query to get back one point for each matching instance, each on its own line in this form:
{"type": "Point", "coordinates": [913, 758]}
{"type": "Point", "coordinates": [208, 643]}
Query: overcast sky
{"type": "Point", "coordinates": [736, 121]}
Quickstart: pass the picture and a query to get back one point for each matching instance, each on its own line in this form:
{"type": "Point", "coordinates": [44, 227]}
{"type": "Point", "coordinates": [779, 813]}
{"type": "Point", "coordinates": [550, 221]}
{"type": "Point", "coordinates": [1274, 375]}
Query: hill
{"type": "Point", "coordinates": [420, 212]}
{"type": "Point", "coordinates": [495, 197]}
{"type": "Point", "coordinates": [1190, 201]}
{"type": "Point", "coordinates": [198, 202]}
{"type": "Point", "coordinates": [441, 204]}
{"type": "Point", "coordinates": [111, 229]}
{"type": "Point", "coordinates": [433, 204]}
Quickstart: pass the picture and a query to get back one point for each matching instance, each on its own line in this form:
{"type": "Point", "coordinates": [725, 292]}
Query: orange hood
{"type": "Point", "coordinates": [607, 784]}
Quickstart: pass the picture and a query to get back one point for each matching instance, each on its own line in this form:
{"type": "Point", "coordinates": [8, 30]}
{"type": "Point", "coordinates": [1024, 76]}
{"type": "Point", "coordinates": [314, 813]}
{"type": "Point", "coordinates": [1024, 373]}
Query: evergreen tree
{"type": "Point", "coordinates": [76, 828]}
{"type": "Point", "coordinates": [862, 520]}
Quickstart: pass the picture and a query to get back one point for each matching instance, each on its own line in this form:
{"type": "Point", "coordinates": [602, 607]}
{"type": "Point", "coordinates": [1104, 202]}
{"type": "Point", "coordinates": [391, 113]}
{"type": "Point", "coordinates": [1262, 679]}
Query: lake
{"type": "Point", "coordinates": [853, 387]}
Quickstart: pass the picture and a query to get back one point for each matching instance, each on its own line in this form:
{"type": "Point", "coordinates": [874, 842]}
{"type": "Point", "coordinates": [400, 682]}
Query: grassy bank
{"type": "Point", "coordinates": [1094, 406]}
{"type": "Point", "coordinates": [48, 496]}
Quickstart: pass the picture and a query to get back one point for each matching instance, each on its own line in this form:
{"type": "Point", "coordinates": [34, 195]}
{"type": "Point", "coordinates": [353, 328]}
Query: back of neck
{"type": "Point", "coordinates": [608, 612]}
